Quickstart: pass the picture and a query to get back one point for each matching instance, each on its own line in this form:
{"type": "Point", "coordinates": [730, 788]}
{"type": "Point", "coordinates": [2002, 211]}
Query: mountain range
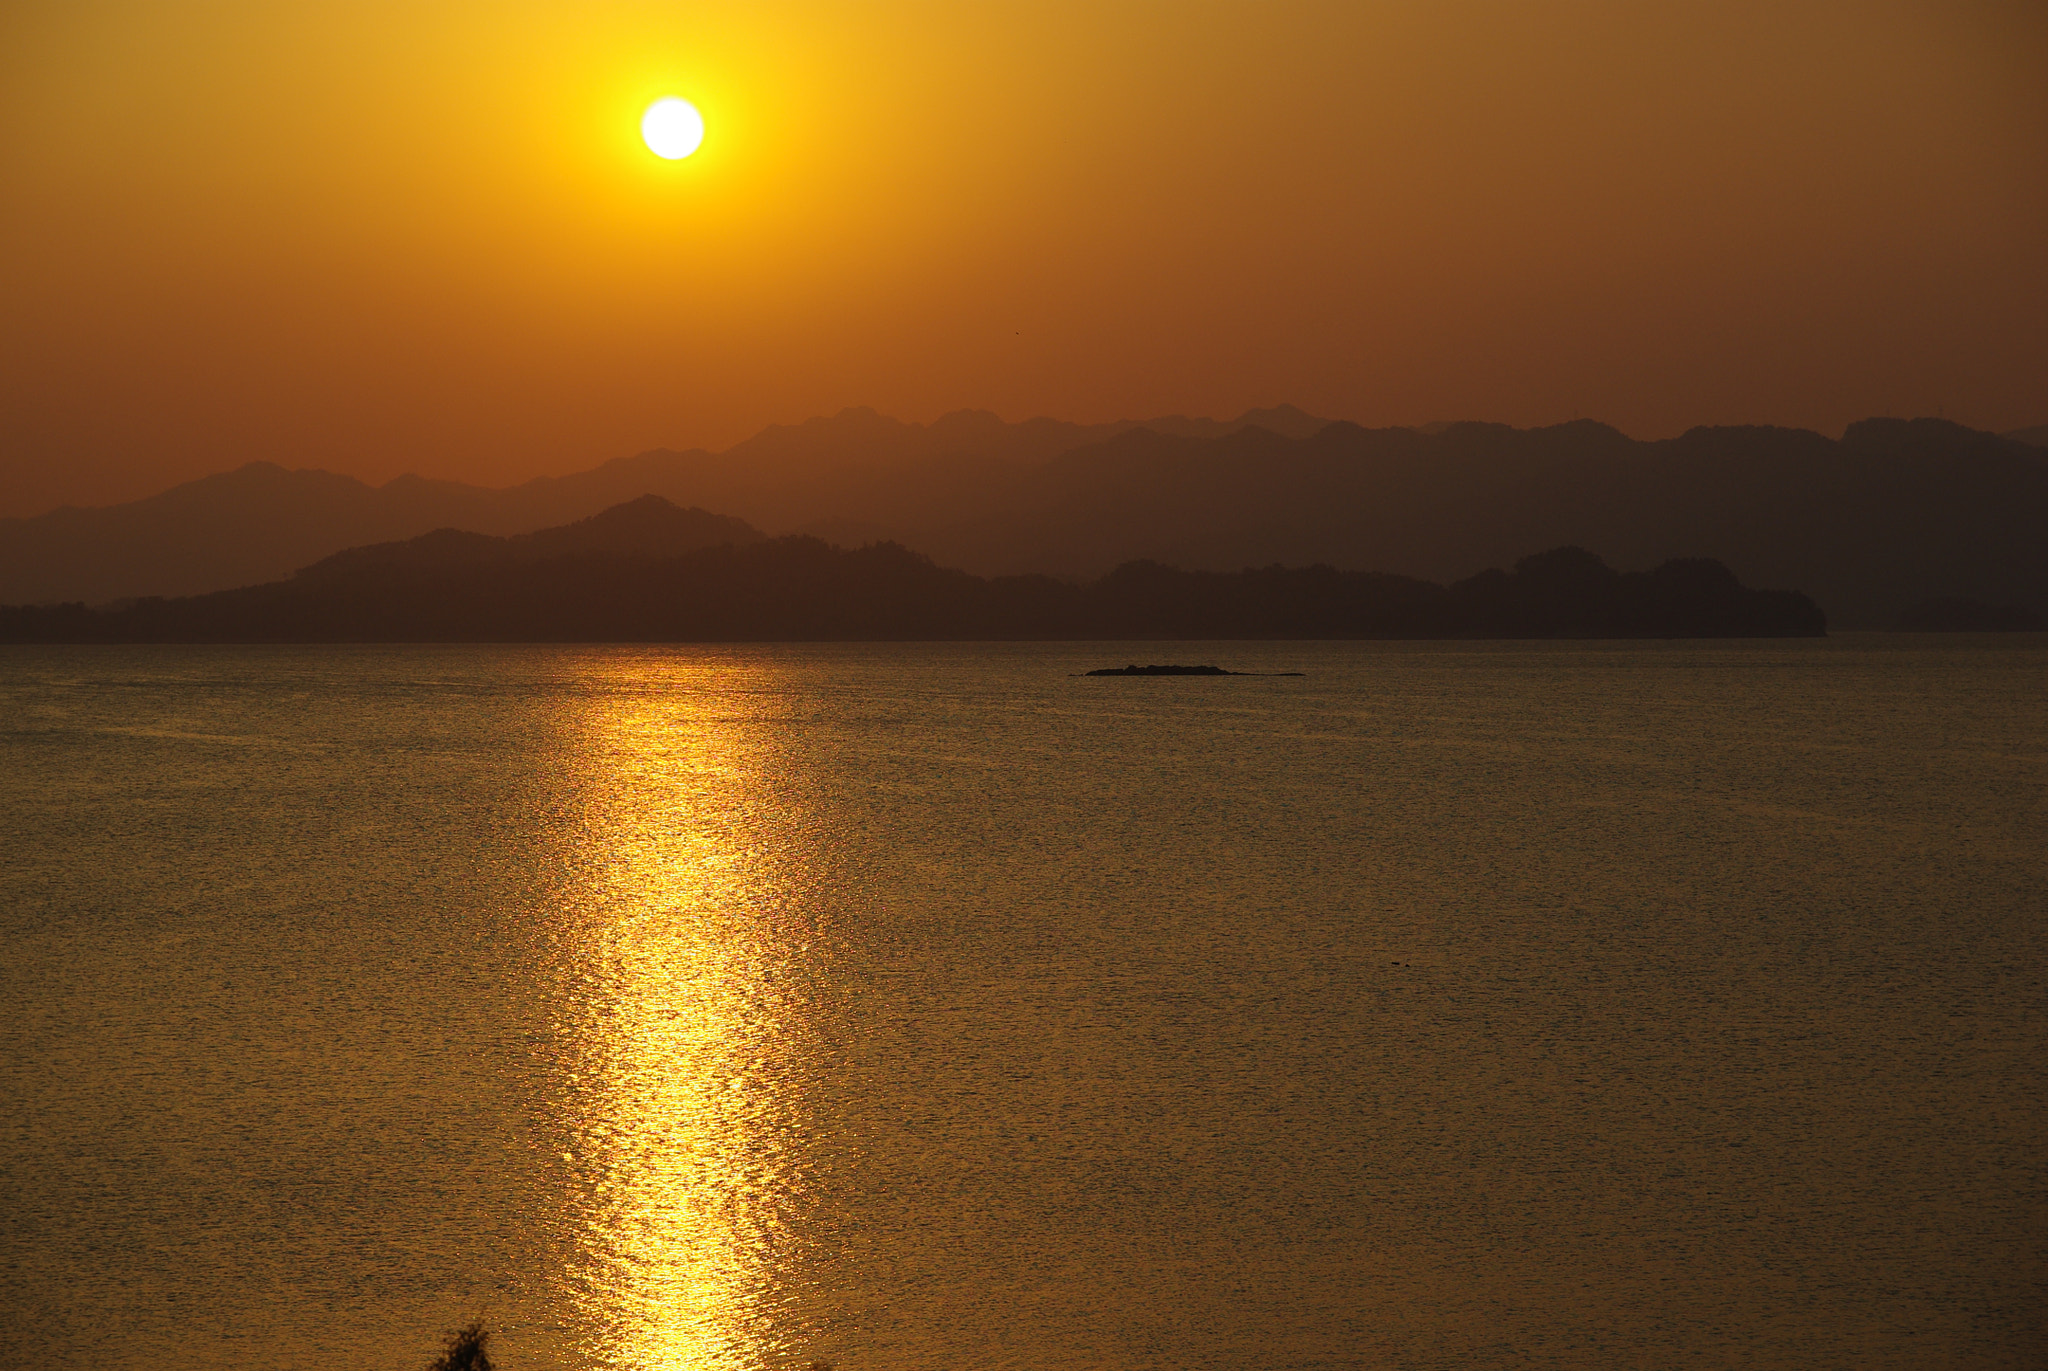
{"type": "Point", "coordinates": [849, 478]}
{"type": "Point", "coordinates": [648, 571]}
{"type": "Point", "coordinates": [1893, 513]}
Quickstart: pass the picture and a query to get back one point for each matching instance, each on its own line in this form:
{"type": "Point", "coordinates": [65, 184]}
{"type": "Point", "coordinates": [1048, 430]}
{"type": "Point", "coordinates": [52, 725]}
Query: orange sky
{"type": "Point", "coordinates": [383, 237]}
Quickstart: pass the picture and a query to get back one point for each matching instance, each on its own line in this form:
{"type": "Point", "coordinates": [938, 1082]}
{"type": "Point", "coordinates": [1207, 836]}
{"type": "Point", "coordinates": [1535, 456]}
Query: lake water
{"type": "Point", "coordinates": [1629, 1005]}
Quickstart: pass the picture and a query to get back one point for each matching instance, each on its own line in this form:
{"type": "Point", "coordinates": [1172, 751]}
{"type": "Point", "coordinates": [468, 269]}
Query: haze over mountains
{"type": "Point", "coordinates": [852, 477]}
{"type": "Point", "coordinates": [646, 571]}
{"type": "Point", "coordinates": [1894, 513]}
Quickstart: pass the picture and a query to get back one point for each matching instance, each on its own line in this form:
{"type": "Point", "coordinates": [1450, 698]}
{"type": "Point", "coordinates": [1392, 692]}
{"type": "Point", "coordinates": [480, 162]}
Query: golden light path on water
{"type": "Point", "coordinates": [681, 1133]}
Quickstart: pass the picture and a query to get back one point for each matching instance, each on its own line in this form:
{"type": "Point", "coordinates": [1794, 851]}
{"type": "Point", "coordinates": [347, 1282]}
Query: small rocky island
{"type": "Point", "coordinates": [1135, 670]}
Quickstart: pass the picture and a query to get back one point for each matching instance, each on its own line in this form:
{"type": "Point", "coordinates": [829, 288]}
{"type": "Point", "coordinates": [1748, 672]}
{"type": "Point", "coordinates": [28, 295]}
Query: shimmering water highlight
{"type": "Point", "coordinates": [911, 1006]}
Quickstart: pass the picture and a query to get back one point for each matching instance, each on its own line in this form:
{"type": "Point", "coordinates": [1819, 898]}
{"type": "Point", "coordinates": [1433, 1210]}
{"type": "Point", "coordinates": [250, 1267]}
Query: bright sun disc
{"type": "Point", "coordinates": [672, 128]}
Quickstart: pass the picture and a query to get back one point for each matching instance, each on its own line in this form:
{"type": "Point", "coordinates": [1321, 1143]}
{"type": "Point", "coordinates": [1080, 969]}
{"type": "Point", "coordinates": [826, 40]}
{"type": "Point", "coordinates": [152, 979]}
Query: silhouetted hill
{"type": "Point", "coordinates": [649, 527]}
{"type": "Point", "coordinates": [1896, 512]}
{"type": "Point", "coordinates": [857, 476]}
{"type": "Point", "coordinates": [612, 579]}
{"type": "Point", "coordinates": [2033, 437]}
{"type": "Point", "coordinates": [256, 522]}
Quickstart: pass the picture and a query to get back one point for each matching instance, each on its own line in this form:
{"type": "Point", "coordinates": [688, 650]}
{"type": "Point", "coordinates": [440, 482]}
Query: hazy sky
{"type": "Point", "coordinates": [385, 237]}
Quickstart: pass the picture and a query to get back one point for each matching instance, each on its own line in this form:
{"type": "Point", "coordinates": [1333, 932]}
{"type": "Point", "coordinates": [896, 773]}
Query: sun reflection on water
{"type": "Point", "coordinates": [681, 1124]}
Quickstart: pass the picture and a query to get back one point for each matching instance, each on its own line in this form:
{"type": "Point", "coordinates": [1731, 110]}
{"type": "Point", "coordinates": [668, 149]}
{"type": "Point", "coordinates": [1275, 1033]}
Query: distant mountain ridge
{"type": "Point", "coordinates": [854, 475]}
{"type": "Point", "coordinates": [644, 572]}
{"type": "Point", "coordinates": [1893, 514]}
{"type": "Point", "coordinates": [1896, 512]}
{"type": "Point", "coordinates": [646, 528]}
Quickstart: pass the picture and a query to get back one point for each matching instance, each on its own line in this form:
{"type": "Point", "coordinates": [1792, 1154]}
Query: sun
{"type": "Point", "coordinates": [672, 128]}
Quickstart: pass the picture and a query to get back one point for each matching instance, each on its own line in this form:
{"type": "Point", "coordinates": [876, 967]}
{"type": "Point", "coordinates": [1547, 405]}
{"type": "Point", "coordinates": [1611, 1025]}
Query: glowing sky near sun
{"type": "Point", "coordinates": [381, 237]}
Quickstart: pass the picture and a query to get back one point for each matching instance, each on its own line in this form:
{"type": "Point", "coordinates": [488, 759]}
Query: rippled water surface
{"type": "Point", "coordinates": [930, 1006]}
